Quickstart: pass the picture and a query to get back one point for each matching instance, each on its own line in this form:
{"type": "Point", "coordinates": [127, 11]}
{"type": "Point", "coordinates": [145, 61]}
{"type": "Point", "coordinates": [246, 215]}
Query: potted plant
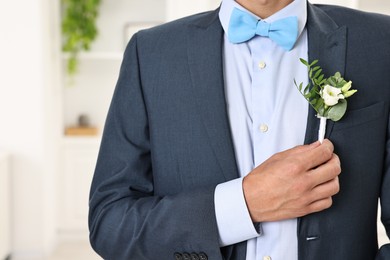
{"type": "Point", "coordinates": [78, 28]}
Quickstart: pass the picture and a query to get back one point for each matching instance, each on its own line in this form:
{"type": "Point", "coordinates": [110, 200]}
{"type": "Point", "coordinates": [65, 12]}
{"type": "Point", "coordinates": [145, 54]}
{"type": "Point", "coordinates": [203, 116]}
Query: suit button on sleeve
{"type": "Point", "coordinates": [186, 256]}
{"type": "Point", "coordinates": [178, 256]}
{"type": "Point", "coordinates": [203, 256]}
{"type": "Point", "coordinates": [195, 256]}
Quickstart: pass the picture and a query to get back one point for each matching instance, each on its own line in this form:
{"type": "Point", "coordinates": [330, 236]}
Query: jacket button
{"type": "Point", "coordinates": [186, 256]}
{"type": "Point", "coordinates": [195, 256]}
{"type": "Point", "coordinates": [203, 256]}
{"type": "Point", "coordinates": [178, 256]}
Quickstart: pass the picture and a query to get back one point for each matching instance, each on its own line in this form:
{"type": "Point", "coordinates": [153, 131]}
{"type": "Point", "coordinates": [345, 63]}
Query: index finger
{"type": "Point", "coordinates": [313, 158]}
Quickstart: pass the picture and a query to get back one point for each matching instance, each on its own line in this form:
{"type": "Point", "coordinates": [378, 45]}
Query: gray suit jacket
{"type": "Point", "coordinates": [167, 143]}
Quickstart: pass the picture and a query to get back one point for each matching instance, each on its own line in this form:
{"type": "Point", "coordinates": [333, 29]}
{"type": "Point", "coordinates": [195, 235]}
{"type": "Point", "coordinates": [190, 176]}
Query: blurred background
{"type": "Point", "coordinates": [52, 114]}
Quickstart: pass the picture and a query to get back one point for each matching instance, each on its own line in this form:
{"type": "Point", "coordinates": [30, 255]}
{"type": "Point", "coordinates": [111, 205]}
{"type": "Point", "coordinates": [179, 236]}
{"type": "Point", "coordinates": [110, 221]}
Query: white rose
{"type": "Point", "coordinates": [331, 95]}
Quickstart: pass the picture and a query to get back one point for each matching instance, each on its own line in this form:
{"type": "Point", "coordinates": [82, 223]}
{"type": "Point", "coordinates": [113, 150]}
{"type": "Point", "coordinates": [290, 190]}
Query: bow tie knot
{"type": "Point", "coordinates": [243, 27]}
{"type": "Point", "coordinates": [263, 28]}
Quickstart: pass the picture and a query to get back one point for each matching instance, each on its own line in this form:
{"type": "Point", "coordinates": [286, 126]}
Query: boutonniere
{"type": "Point", "coordinates": [328, 96]}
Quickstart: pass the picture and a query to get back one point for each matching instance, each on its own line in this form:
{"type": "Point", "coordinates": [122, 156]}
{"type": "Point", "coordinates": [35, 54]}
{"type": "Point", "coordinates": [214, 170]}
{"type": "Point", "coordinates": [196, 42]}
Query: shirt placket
{"type": "Point", "coordinates": [262, 99]}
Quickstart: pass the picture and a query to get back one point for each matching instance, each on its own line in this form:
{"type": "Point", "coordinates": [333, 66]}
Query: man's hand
{"type": "Point", "coordinates": [293, 183]}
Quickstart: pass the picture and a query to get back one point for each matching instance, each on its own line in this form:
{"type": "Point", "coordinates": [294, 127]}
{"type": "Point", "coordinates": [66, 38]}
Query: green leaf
{"type": "Point", "coordinates": [319, 104]}
{"type": "Point", "coordinates": [317, 73]}
{"type": "Point", "coordinates": [320, 78]}
{"type": "Point", "coordinates": [79, 28]}
{"type": "Point", "coordinates": [331, 82]}
{"type": "Point", "coordinates": [307, 88]}
{"type": "Point", "coordinates": [337, 111]}
{"type": "Point", "coordinates": [304, 62]}
{"type": "Point", "coordinates": [313, 91]}
{"type": "Point", "coordinates": [316, 68]}
{"type": "Point", "coordinates": [313, 63]}
{"type": "Point", "coordinates": [321, 111]}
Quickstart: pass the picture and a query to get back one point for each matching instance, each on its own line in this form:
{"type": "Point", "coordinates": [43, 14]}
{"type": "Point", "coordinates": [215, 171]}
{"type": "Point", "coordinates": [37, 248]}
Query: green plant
{"type": "Point", "coordinates": [78, 28]}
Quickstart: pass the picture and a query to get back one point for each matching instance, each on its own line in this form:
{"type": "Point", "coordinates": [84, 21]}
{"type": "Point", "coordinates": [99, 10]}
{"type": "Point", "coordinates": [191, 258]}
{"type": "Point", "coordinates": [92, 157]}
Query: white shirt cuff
{"type": "Point", "coordinates": [233, 220]}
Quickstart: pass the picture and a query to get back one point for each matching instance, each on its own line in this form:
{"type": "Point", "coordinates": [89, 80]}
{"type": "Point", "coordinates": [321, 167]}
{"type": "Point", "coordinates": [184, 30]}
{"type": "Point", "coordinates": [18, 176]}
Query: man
{"type": "Point", "coordinates": [197, 157]}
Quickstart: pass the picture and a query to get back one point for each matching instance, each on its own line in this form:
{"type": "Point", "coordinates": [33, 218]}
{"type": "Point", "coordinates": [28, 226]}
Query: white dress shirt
{"type": "Point", "coordinates": [267, 115]}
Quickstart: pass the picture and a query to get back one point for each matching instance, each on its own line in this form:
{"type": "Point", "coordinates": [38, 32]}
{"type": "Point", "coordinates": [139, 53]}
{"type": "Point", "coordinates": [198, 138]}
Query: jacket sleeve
{"type": "Point", "coordinates": [126, 219]}
{"type": "Point", "coordinates": [384, 251]}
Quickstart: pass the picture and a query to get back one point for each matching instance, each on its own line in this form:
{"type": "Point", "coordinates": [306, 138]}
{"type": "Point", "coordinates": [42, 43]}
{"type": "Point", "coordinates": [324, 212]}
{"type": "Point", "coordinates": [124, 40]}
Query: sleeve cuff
{"type": "Point", "coordinates": [233, 220]}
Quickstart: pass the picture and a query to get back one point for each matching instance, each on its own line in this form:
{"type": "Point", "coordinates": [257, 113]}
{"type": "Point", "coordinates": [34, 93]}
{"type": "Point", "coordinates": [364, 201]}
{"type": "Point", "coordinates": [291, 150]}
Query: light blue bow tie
{"type": "Point", "coordinates": [243, 27]}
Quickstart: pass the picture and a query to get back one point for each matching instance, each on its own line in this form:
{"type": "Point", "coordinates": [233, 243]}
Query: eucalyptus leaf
{"type": "Point", "coordinates": [337, 111]}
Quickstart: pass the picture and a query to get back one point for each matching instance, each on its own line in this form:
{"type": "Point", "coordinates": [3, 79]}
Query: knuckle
{"type": "Point", "coordinates": [328, 203]}
{"type": "Point", "coordinates": [327, 153]}
{"type": "Point", "coordinates": [304, 211]}
{"type": "Point", "coordinates": [295, 166]}
{"type": "Point", "coordinates": [336, 185]}
{"type": "Point", "coordinates": [301, 187]}
{"type": "Point", "coordinates": [336, 168]}
{"type": "Point", "coordinates": [336, 158]}
{"type": "Point", "coordinates": [330, 145]}
{"type": "Point", "coordinates": [321, 205]}
{"type": "Point", "coordinates": [307, 200]}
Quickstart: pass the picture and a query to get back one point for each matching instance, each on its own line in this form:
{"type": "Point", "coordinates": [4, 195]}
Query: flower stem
{"type": "Point", "coordinates": [321, 130]}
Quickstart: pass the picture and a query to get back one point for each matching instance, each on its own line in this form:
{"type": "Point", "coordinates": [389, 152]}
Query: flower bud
{"type": "Point", "coordinates": [346, 86]}
{"type": "Point", "coordinates": [350, 93]}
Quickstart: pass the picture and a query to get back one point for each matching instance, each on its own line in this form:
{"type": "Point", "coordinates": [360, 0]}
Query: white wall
{"type": "Point", "coordinates": [5, 206]}
{"type": "Point", "coordinates": [347, 3]}
{"type": "Point", "coordinates": [378, 6]}
{"type": "Point", "coordinates": [180, 8]}
{"type": "Point", "coordinates": [28, 120]}
{"type": "Point", "coordinates": [31, 114]}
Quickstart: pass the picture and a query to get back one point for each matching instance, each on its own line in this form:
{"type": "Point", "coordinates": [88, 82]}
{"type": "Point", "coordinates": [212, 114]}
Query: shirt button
{"type": "Point", "coordinates": [267, 258]}
{"type": "Point", "coordinates": [263, 128]}
{"type": "Point", "coordinates": [262, 65]}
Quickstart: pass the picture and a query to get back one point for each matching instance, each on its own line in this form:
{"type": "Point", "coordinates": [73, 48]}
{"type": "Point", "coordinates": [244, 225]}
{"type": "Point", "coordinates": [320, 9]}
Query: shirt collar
{"type": "Point", "coordinates": [296, 8]}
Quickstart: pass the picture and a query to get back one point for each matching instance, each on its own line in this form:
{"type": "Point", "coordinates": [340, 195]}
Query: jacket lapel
{"type": "Point", "coordinates": [204, 48]}
{"type": "Point", "coordinates": [327, 43]}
